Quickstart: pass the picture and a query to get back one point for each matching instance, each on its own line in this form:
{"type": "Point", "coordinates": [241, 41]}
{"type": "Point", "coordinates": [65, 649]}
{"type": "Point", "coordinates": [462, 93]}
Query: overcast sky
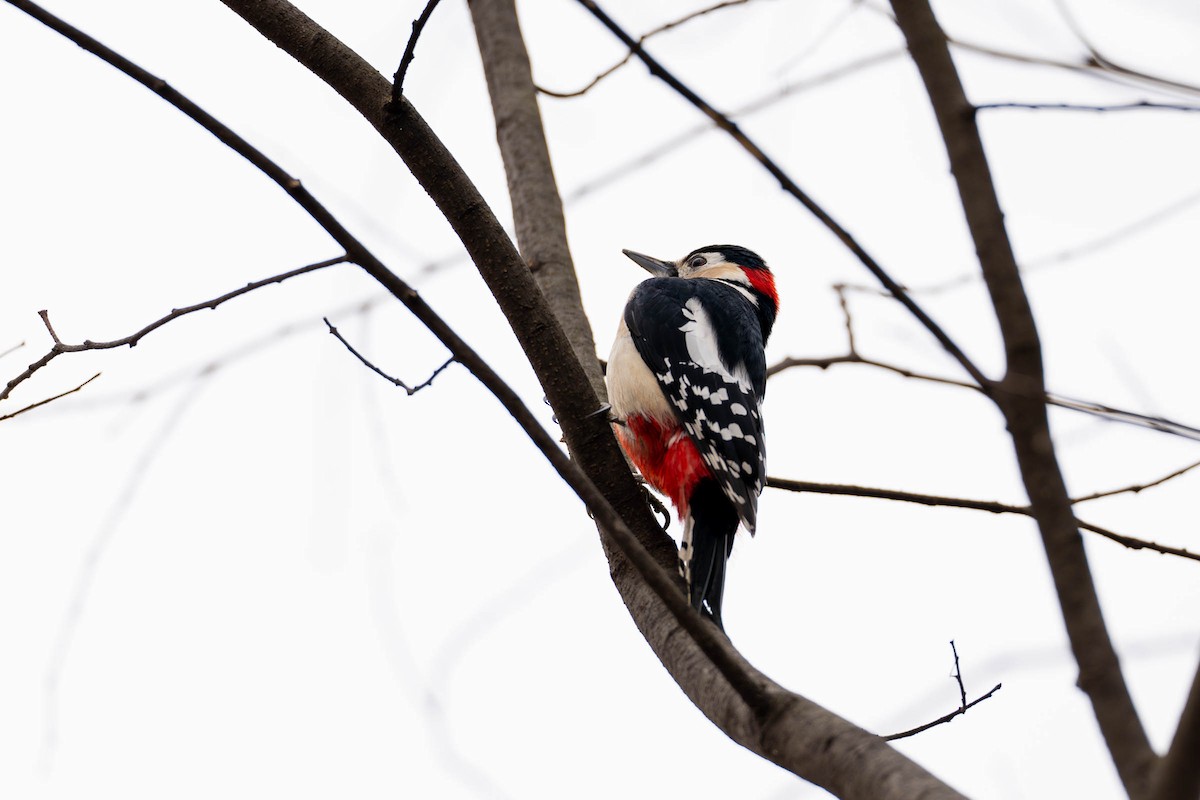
{"type": "Point", "coordinates": [239, 564]}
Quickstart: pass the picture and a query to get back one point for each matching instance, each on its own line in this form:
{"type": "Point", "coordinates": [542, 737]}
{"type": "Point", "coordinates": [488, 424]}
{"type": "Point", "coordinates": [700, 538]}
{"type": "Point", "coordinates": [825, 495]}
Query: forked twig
{"type": "Point", "coordinates": [962, 708]}
{"type": "Point", "coordinates": [411, 390]}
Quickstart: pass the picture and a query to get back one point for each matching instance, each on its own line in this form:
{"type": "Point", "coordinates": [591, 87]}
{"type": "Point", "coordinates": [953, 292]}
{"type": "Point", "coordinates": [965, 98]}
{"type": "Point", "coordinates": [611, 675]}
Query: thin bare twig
{"type": "Point", "coordinates": [411, 390]}
{"type": "Point", "coordinates": [978, 505]}
{"type": "Point", "coordinates": [962, 708]}
{"type": "Point", "coordinates": [854, 358]}
{"type": "Point", "coordinates": [847, 317]}
{"type": "Point", "coordinates": [410, 50]}
{"type": "Point", "coordinates": [132, 339]}
{"type": "Point", "coordinates": [12, 349]}
{"type": "Point", "coordinates": [1137, 544]}
{"type": "Point", "coordinates": [1129, 417]}
{"type": "Point", "coordinates": [1140, 105]}
{"type": "Point", "coordinates": [1138, 487]}
{"type": "Point", "coordinates": [660, 29]}
{"type": "Point", "coordinates": [40, 403]}
{"type": "Point", "coordinates": [895, 494]}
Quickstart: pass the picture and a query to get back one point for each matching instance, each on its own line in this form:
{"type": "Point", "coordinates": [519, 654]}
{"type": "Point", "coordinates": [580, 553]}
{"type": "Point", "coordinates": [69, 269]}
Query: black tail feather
{"type": "Point", "coordinates": [714, 523]}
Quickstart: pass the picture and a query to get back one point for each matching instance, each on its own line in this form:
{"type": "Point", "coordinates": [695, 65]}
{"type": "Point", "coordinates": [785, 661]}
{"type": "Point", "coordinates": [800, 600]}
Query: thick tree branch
{"type": "Point", "coordinates": [1018, 396]}
{"type": "Point", "coordinates": [537, 209]}
{"type": "Point", "coordinates": [1178, 775]}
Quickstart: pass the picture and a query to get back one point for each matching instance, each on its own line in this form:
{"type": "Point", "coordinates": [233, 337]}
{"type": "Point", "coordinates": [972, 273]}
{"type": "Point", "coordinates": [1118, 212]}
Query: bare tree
{"type": "Point", "coordinates": [534, 284]}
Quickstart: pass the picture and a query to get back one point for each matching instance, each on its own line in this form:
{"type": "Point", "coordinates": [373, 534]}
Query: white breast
{"type": "Point", "coordinates": [632, 387]}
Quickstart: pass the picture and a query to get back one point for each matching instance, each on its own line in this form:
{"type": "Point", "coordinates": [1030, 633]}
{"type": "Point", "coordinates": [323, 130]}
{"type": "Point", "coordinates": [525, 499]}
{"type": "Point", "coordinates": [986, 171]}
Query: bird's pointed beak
{"type": "Point", "coordinates": [655, 266]}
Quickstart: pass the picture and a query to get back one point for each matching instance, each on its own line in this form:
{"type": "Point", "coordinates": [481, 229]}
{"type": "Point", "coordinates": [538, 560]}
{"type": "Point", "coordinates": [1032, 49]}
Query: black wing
{"type": "Point", "coordinates": [714, 383]}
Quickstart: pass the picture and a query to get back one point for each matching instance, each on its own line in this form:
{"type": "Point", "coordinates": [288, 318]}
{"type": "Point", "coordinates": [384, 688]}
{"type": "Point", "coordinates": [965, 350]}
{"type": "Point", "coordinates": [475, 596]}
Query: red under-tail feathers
{"type": "Point", "coordinates": [666, 457]}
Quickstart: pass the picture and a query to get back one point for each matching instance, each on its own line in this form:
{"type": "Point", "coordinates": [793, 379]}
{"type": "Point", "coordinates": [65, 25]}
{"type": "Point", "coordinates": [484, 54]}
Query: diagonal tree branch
{"type": "Point", "coordinates": [1138, 487]}
{"type": "Point", "coordinates": [537, 208]}
{"type": "Point", "coordinates": [1178, 776]}
{"type": "Point", "coordinates": [1019, 398]}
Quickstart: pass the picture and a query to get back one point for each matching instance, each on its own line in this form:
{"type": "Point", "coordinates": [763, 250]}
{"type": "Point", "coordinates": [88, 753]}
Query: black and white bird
{"type": "Point", "coordinates": [686, 379]}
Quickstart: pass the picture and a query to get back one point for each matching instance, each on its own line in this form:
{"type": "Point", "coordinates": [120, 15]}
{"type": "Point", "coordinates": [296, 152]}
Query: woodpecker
{"type": "Point", "coordinates": [686, 379]}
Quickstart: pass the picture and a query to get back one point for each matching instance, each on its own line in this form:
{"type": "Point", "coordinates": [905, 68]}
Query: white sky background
{"type": "Point", "coordinates": [284, 577]}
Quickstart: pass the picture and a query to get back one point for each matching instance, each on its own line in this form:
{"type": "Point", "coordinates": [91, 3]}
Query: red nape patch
{"type": "Point", "coordinates": [763, 281]}
{"type": "Point", "coordinates": [666, 457]}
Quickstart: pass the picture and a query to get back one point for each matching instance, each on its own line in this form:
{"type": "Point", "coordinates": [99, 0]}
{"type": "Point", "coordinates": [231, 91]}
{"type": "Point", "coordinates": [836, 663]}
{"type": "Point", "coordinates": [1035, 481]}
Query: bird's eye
{"type": "Point", "coordinates": [697, 262]}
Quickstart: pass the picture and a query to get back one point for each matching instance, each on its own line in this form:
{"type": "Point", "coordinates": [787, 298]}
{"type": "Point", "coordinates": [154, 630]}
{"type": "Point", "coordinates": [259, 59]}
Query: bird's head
{"type": "Point", "coordinates": [728, 263]}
